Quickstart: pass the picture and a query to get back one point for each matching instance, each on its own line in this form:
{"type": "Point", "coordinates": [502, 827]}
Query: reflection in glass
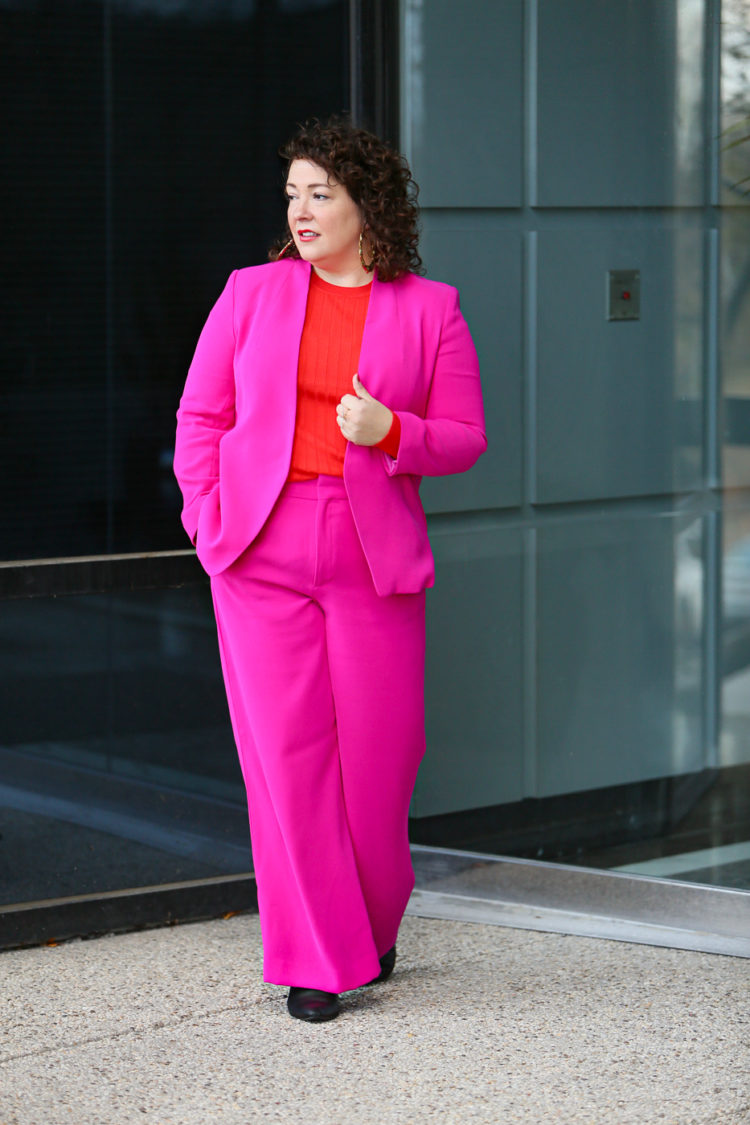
{"type": "Point", "coordinates": [139, 168]}
{"type": "Point", "coordinates": [731, 865]}
{"type": "Point", "coordinates": [117, 761]}
{"type": "Point", "coordinates": [633, 749]}
{"type": "Point", "coordinates": [735, 734]}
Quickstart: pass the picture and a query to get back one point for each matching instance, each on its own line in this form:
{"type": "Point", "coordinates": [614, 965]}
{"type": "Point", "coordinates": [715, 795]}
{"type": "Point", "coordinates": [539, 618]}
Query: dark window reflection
{"type": "Point", "coordinates": [138, 169]}
{"type": "Point", "coordinates": [117, 761]}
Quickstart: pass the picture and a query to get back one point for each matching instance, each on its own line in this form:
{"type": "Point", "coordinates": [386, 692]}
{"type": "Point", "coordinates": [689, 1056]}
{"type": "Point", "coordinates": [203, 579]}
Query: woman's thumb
{"type": "Point", "coordinates": [359, 389]}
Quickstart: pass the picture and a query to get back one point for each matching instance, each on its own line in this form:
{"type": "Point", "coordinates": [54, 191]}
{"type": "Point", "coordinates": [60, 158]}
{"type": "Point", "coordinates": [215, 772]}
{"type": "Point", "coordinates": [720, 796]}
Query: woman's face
{"type": "Point", "coordinates": [324, 219]}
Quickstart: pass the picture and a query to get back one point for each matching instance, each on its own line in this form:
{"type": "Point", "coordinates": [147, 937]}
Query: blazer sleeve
{"type": "Point", "coordinates": [207, 409]}
{"type": "Point", "coordinates": [451, 435]}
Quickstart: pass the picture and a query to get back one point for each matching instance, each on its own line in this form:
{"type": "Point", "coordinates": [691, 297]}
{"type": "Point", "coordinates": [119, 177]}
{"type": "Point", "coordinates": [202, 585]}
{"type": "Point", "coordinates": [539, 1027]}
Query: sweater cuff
{"type": "Point", "coordinates": [390, 443]}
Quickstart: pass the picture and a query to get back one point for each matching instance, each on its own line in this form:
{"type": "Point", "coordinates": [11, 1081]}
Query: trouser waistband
{"type": "Point", "coordinates": [319, 488]}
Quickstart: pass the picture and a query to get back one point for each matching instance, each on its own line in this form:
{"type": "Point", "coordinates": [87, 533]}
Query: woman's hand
{"type": "Point", "coordinates": [361, 418]}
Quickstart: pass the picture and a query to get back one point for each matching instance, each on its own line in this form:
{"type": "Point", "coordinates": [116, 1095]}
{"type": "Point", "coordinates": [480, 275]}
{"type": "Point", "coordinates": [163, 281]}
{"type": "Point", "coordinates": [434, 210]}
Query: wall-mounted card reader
{"type": "Point", "coordinates": [624, 295]}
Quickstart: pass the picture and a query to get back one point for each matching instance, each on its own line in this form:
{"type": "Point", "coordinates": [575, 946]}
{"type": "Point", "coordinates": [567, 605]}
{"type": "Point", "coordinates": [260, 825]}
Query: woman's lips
{"type": "Point", "coordinates": [306, 235]}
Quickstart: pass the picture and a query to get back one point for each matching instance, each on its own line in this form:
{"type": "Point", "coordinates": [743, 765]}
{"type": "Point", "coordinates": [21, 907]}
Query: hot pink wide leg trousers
{"type": "Point", "coordinates": [325, 681]}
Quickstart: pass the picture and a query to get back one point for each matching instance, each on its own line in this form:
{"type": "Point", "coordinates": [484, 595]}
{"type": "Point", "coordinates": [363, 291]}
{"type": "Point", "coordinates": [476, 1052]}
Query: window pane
{"type": "Point", "coordinates": [139, 168]}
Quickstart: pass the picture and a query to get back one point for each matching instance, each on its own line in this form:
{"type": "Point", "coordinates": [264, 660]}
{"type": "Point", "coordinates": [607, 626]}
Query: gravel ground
{"type": "Point", "coordinates": [478, 1024]}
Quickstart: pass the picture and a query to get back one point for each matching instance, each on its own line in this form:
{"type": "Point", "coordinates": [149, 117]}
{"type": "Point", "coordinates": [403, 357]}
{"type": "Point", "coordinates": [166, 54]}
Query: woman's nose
{"type": "Point", "coordinates": [299, 209]}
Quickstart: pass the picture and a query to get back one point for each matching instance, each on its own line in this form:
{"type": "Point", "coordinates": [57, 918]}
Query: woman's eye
{"type": "Point", "coordinates": [319, 195]}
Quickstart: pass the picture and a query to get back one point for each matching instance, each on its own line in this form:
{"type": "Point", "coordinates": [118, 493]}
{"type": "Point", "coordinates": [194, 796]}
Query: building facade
{"type": "Point", "coordinates": [585, 182]}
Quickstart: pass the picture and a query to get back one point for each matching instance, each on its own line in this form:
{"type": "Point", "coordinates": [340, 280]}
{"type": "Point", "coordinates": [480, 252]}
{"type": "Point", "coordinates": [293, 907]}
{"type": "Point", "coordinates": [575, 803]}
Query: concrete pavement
{"type": "Point", "coordinates": [479, 1024]}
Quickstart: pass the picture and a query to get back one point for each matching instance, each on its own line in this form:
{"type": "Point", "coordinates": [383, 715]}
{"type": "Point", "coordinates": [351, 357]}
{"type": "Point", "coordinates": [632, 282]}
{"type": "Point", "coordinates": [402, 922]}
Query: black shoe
{"type": "Point", "coordinates": [387, 961]}
{"type": "Point", "coordinates": [312, 1004]}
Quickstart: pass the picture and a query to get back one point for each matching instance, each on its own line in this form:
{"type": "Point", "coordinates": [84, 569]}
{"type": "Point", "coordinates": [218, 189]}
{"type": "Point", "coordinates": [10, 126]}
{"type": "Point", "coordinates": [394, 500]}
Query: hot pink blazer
{"type": "Point", "coordinates": [235, 423]}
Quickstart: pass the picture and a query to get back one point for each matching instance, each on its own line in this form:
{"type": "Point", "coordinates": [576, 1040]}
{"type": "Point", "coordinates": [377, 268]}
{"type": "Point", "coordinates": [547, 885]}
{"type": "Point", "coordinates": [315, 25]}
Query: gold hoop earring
{"type": "Point", "coordinates": [368, 266]}
{"type": "Point", "coordinates": [284, 249]}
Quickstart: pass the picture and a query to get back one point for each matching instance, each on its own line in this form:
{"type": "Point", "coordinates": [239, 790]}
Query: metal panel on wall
{"type": "Point", "coordinates": [473, 693]}
{"type": "Point", "coordinates": [465, 251]}
{"type": "Point", "coordinates": [620, 103]}
{"type": "Point", "coordinates": [463, 79]}
{"type": "Point", "coordinates": [620, 613]}
{"type": "Point", "coordinates": [612, 412]}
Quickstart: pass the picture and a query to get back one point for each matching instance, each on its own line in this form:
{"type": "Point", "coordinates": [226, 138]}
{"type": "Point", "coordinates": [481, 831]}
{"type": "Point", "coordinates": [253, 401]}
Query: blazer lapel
{"type": "Point", "coordinates": [381, 355]}
{"type": "Point", "coordinates": [279, 334]}
{"type": "Point", "coordinates": [271, 356]}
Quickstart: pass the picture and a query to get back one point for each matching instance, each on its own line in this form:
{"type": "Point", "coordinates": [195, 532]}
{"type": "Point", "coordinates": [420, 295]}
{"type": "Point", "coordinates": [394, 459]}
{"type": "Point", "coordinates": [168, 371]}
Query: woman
{"type": "Point", "coordinates": [325, 384]}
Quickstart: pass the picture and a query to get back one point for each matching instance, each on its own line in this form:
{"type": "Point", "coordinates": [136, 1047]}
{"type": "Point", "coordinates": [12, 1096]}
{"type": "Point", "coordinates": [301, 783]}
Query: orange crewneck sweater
{"type": "Point", "coordinates": [328, 360]}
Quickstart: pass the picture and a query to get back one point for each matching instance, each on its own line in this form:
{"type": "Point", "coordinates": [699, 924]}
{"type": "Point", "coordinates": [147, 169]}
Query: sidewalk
{"type": "Point", "coordinates": [478, 1024]}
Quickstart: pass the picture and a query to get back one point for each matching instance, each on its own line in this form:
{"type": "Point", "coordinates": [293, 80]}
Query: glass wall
{"type": "Point", "coordinates": [139, 167]}
{"type": "Point", "coordinates": [588, 690]}
{"type": "Point", "coordinates": [593, 704]}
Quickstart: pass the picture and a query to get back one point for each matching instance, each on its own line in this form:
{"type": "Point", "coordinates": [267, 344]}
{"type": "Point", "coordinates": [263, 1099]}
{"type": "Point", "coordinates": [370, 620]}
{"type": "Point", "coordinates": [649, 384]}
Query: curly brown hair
{"type": "Point", "coordinates": [379, 181]}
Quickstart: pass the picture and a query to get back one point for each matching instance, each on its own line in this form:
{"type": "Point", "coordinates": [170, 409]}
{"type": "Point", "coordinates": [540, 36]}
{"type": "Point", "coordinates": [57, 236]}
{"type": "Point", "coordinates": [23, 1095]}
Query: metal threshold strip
{"type": "Point", "coordinates": [452, 885]}
{"type": "Point", "coordinates": [558, 898]}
